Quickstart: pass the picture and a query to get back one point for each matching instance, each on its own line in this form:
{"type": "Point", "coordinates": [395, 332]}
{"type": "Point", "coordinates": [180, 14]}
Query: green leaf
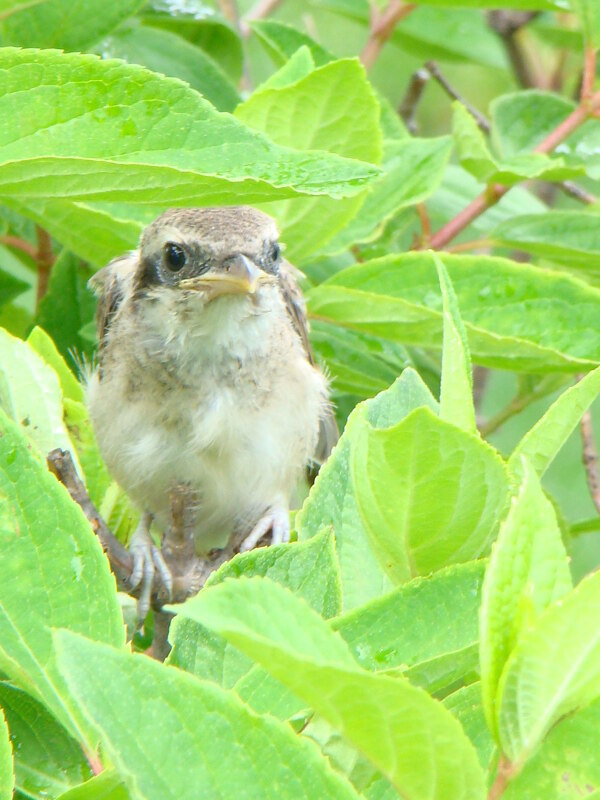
{"type": "Point", "coordinates": [397, 471]}
{"type": "Point", "coordinates": [297, 67]}
{"type": "Point", "coordinates": [53, 572]}
{"type": "Point", "coordinates": [456, 393]}
{"type": "Point", "coordinates": [10, 287]}
{"type": "Point", "coordinates": [80, 137]}
{"type": "Point", "coordinates": [398, 297]}
{"type": "Point", "coordinates": [466, 706]}
{"type": "Point", "coordinates": [541, 444]}
{"type": "Point", "coordinates": [400, 729]}
{"type": "Point", "coordinates": [309, 569]}
{"type": "Point", "coordinates": [170, 54]}
{"type": "Point", "coordinates": [471, 147]}
{"type": "Point", "coordinates": [318, 112]}
{"type": "Point", "coordinates": [7, 778]}
{"type": "Point", "coordinates": [553, 671]}
{"type": "Point", "coordinates": [566, 764]}
{"type": "Point", "coordinates": [90, 231]}
{"type": "Point", "coordinates": [107, 786]}
{"type": "Point", "coordinates": [202, 26]}
{"type": "Point", "coordinates": [67, 305]}
{"type": "Point", "coordinates": [412, 171]}
{"type": "Point", "coordinates": [47, 760]}
{"type": "Point", "coordinates": [589, 13]}
{"type": "Point", "coordinates": [459, 35]}
{"type": "Point", "coordinates": [417, 622]}
{"type": "Point", "coordinates": [30, 393]}
{"type": "Point", "coordinates": [223, 749]}
{"type": "Point", "coordinates": [61, 23]}
{"type": "Point", "coordinates": [39, 341]}
{"type": "Point", "coordinates": [332, 500]}
{"type": "Point", "coordinates": [475, 156]}
{"type": "Point", "coordinates": [81, 433]}
{"type": "Point", "coordinates": [282, 41]}
{"type": "Point", "coordinates": [528, 571]}
{"type": "Point", "coordinates": [357, 363]}
{"type": "Point", "coordinates": [522, 120]}
{"type": "Point", "coordinates": [567, 237]}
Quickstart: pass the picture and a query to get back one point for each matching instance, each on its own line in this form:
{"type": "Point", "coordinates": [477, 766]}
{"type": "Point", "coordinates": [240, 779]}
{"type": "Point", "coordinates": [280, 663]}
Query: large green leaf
{"type": "Point", "coordinates": [554, 670]}
{"type": "Point", "coordinates": [398, 297]}
{"type": "Point", "coordinates": [542, 442]}
{"type": "Point", "coordinates": [52, 573]}
{"type": "Point", "coordinates": [47, 760]}
{"type": "Point", "coordinates": [399, 728]}
{"type": "Point", "coordinates": [521, 120]}
{"type": "Point", "coordinates": [7, 778]}
{"type": "Point", "coordinates": [332, 499]}
{"type": "Point", "coordinates": [456, 392]}
{"type": "Point", "coordinates": [396, 473]}
{"type": "Point", "coordinates": [82, 136]}
{"type": "Point", "coordinates": [165, 52]}
{"type": "Point", "coordinates": [222, 750]}
{"type": "Point", "coordinates": [61, 23]}
{"type": "Point", "coordinates": [318, 112]}
{"type": "Point", "coordinates": [528, 571]}
{"type": "Point", "coordinates": [421, 621]}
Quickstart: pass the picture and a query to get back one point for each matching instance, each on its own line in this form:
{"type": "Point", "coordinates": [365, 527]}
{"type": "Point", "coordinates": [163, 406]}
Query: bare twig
{"type": "Point", "coordinates": [577, 192]}
{"type": "Point", "coordinates": [421, 210]}
{"type": "Point", "coordinates": [229, 10]}
{"type": "Point", "coordinates": [507, 25]}
{"type": "Point", "coordinates": [412, 96]}
{"type": "Point", "coordinates": [382, 28]}
{"type": "Point", "coordinates": [435, 73]}
{"type": "Point", "coordinates": [261, 10]}
{"type": "Point", "coordinates": [20, 244]}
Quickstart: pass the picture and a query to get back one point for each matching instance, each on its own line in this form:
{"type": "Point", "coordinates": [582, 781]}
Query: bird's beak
{"type": "Point", "coordinates": [237, 275]}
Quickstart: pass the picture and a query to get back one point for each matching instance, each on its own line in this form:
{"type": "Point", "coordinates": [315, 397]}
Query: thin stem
{"type": "Point", "coordinates": [20, 244]}
{"type": "Point", "coordinates": [435, 73]}
{"type": "Point", "coordinates": [590, 455]}
{"type": "Point", "coordinates": [421, 210]}
{"type": "Point", "coordinates": [516, 405]}
{"type": "Point", "coordinates": [589, 75]}
{"type": "Point", "coordinates": [506, 772]}
{"type": "Point", "coordinates": [577, 192]}
{"type": "Point", "coordinates": [382, 28]}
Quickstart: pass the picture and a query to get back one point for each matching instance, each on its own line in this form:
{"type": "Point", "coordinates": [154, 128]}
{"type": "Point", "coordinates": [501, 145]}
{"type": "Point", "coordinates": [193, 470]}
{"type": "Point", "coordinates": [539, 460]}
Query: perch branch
{"type": "Point", "coordinates": [435, 73]}
{"type": "Point", "coordinates": [44, 258]}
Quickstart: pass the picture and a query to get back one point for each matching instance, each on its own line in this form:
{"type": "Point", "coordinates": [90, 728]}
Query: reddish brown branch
{"type": "Point", "coordinates": [20, 244]}
{"type": "Point", "coordinates": [382, 28]}
{"type": "Point", "coordinates": [590, 455]}
{"type": "Point", "coordinates": [506, 772]}
{"type": "Point", "coordinates": [44, 258]}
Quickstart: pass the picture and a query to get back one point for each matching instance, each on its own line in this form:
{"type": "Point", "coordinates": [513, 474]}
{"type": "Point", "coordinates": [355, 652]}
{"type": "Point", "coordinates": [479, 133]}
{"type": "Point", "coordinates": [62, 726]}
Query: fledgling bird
{"type": "Point", "coordinates": [205, 378]}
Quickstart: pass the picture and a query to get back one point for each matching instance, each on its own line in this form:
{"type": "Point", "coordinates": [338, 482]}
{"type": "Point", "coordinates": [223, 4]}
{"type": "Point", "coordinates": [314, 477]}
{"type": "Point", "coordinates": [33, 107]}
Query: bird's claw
{"type": "Point", "coordinates": [148, 561]}
{"type": "Point", "coordinates": [276, 520]}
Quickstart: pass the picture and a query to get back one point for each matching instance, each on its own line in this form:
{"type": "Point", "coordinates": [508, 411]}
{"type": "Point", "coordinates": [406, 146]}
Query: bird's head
{"type": "Point", "coordinates": [212, 251]}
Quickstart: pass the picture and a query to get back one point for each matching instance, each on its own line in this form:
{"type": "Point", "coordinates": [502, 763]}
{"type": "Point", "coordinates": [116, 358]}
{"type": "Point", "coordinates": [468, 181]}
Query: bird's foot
{"type": "Point", "coordinates": [148, 561]}
{"type": "Point", "coordinates": [276, 520]}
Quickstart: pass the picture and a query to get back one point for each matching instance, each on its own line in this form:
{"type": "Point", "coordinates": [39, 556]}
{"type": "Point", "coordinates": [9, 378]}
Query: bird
{"type": "Point", "coordinates": [205, 379]}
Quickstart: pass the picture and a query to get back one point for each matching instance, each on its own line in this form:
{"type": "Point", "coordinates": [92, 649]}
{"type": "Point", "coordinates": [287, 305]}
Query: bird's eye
{"type": "Point", "coordinates": [174, 256]}
{"type": "Point", "coordinates": [275, 252]}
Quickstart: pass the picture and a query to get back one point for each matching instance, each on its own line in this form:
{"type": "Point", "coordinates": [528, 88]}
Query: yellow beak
{"type": "Point", "coordinates": [237, 275]}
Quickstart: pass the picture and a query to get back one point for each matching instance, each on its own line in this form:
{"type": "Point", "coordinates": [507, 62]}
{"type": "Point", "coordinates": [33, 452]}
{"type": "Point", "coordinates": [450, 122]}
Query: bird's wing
{"type": "Point", "coordinates": [111, 285]}
{"type": "Point", "coordinates": [296, 308]}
